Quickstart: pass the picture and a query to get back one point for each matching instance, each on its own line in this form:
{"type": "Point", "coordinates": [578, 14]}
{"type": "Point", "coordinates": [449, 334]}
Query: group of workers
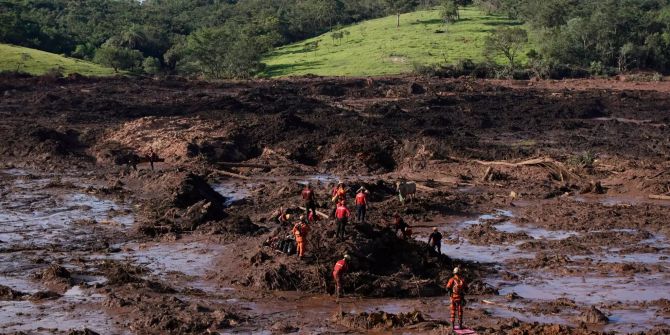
{"type": "Point", "coordinates": [300, 230]}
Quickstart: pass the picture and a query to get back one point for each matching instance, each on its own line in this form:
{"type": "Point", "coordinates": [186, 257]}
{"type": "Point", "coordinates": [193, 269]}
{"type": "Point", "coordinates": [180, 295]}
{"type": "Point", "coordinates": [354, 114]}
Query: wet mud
{"type": "Point", "coordinates": [549, 196]}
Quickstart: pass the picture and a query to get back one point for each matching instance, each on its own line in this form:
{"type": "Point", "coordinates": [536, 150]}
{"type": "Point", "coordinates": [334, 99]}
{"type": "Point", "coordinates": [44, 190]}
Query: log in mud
{"type": "Point", "coordinates": [555, 208]}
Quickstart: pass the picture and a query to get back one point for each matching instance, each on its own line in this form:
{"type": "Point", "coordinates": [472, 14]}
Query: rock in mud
{"type": "Point", "coordinates": [594, 316]}
{"type": "Point", "coordinates": [7, 293]}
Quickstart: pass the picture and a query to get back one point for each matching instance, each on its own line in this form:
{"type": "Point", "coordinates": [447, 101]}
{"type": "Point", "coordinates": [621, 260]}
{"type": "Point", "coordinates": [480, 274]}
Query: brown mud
{"type": "Point", "coordinates": [541, 190]}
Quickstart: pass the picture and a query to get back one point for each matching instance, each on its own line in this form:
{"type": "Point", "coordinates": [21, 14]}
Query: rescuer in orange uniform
{"type": "Point", "coordinates": [361, 204]}
{"type": "Point", "coordinates": [338, 270]}
{"type": "Point", "coordinates": [300, 230]}
{"type": "Point", "coordinates": [457, 285]}
{"type": "Point", "coordinates": [342, 216]}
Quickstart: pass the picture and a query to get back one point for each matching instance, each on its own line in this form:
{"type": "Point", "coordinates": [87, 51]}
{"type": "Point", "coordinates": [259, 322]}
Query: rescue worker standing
{"type": "Point", "coordinates": [153, 157]}
{"type": "Point", "coordinates": [435, 240]}
{"type": "Point", "coordinates": [338, 194]}
{"type": "Point", "coordinates": [309, 201]}
{"type": "Point", "coordinates": [340, 268]}
{"type": "Point", "coordinates": [361, 204]}
{"type": "Point", "coordinates": [342, 216]}
{"type": "Point", "coordinates": [300, 230]}
{"type": "Point", "coordinates": [457, 285]}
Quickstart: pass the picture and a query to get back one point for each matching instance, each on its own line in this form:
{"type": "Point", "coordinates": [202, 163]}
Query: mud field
{"type": "Point", "coordinates": [552, 196]}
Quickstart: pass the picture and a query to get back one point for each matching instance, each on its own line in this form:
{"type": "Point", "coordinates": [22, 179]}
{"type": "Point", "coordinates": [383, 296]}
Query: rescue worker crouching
{"type": "Point", "coordinates": [339, 269]}
{"type": "Point", "coordinates": [457, 286]}
{"type": "Point", "coordinates": [401, 227]}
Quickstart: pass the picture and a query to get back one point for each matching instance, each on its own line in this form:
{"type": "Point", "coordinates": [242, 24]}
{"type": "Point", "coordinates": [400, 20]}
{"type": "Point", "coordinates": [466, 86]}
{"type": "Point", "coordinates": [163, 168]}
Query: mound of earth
{"type": "Point", "coordinates": [382, 265]}
{"type": "Point", "coordinates": [379, 320]}
{"type": "Point", "coordinates": [181, 202]}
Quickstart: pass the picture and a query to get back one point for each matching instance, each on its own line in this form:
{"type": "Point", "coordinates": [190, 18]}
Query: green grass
{"type": "Point", "coordinates": [377, 47]}
{"type": "Point", "coordinates": [39, 62]}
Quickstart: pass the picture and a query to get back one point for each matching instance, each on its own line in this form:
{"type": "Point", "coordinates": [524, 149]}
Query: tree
{"type": "Point", "coordinates": [400, 6]}
{"type": "Point", "coordinates": [507, 42]}
{"type": "Point", "coordinates": [449, 11]}
{"type": "Point", "coordinates": [118, 58]}
{"type": "Point", "coordinates": [229, 51]}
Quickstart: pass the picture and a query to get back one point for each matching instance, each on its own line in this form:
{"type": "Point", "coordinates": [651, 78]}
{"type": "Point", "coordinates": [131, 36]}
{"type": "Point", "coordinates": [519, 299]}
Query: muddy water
{"type": "Point", "coordinates": [43, 212]}
{"type": "Point", "coordinates": [540, 286]}
{"type": "Point", "coordinates": [39, 211]}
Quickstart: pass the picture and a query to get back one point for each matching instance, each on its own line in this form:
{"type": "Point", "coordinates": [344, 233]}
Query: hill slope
{"type": "Point", "coordinates": [38, 62]}
{"type": "Point", "coordinates": [377, 47]}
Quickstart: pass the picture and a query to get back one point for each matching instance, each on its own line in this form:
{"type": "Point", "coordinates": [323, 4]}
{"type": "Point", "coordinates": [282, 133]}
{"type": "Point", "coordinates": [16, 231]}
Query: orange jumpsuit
{"type": "Point", "coordinates": [457, 286]}
{"type": "Point", "coordinates": [300, 231]}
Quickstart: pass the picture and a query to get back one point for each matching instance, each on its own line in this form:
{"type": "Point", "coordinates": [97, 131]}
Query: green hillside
{"type": "Point", "coordinates": [38, 62]}
{"type": "Point", "coordinates": [377, 47]}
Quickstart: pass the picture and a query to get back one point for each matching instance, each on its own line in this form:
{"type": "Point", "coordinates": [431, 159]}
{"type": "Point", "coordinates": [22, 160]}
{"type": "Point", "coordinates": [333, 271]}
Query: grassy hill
{"type": "Point", "coordinates": [377, 47]}
{"type": "Point", "coordinates": [38, 62]}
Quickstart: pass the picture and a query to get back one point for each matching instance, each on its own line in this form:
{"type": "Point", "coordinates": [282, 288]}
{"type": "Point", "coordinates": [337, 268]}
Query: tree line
{"type": "Point", "coordinates": [227, 38]}
{"type": "Point", "coordinates": [602, 36]}
{"type": "Point", "coordinates": [217, 38]}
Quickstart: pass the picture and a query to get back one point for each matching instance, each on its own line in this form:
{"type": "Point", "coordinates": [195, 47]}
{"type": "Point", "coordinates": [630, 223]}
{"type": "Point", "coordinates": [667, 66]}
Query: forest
{"type": "Point", "coordinates": [223, 39]}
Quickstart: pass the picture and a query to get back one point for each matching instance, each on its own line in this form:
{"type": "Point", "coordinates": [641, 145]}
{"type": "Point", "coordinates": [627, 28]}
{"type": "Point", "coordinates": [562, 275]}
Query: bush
{"type": "Point", "coordinates": [423, 69]}
{"type": "Point", "coordinates": [118, 58]}
{"type": "Point", "coordinates": [151, 65]}
{"type": "Point", "coordinates": [562, 71]}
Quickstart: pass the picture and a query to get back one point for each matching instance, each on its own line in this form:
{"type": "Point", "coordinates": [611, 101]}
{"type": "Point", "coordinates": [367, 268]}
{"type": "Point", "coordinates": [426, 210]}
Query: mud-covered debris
{"type": "Point", "coordinates": [378, 320]}
{"type": "Point", "coordinates": [84, 331]}
{"type": "Point", "coordinates": [486, 234]}
{"type": "Point", "coordinates": [190, 202]}
{"type": "Point", "coordinates": [233, 224]}
{"type": "Point", "coordinates": [282, 327]}
{"type": "Point", "coordinates": [7, 293]}
{"type": "Point", "coordinates": [119, 273]}
{"type": "Point", "coordinates": [416, 88]}
{"type": "Point", "coordinates": [44, 295]}
{"type": "Point", "coordinates": [594, 316]}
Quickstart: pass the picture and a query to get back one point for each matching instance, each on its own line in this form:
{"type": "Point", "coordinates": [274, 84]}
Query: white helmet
{"type": "Point", "coordinates": [347, 257]}
{"type": "Point", "coordinates": [457, 270]}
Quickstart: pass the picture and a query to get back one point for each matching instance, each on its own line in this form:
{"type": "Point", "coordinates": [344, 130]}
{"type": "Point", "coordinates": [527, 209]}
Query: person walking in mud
{"type": "Point", "coordinates": [435, 240]}
{"type": "Point", "coordinates": [361, 204]}
{"type": "Point", "coordinates": [339, 269]}
{"type": "Point", "coordinates": [342, 215]}
{"type": "Point", "coordinates": [457, 286]}
{"type": "Point", "coordinates": [152, 157]}
{"type": "Point", "coordinates": [309, 200]}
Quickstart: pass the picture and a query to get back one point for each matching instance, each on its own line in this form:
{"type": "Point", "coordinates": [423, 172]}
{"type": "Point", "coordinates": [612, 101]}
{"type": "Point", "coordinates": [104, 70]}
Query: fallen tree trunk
{"type": "Point", "coordinates": [231, 174]}
{"type": "Point", "coordinates": [548, 163]}
{"type": "Point", "coordinates": [250, 165]}
{"type": "Point", "coordinates": [317, 212]}
{"type": "Point", "coordinates": [659, 197]}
